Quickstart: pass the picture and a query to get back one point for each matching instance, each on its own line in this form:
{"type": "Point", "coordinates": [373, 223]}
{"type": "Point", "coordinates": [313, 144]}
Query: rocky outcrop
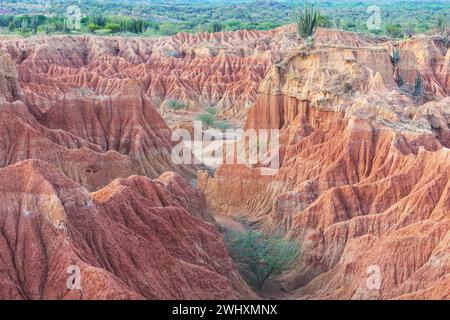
{"type": "Point", "coordinates": [364, 178]}
{"type": "Point", "coordinates": [363, 182]}
{"type": "Point", "coordinates": [9, 80]}
{"type": "Point", "coordinates": [92, 138]}
{"type": "Point", "coordinates": [222, 70]}
{"type": "Point", "coordinates": [133, 239]}
{"type": "Point", "coordinates": [95, 130]}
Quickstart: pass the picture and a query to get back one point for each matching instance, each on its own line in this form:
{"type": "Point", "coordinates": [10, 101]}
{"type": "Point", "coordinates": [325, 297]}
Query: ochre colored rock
{"type": "Point", "coordinates": [364, 181]}
{"type": "Point", "coordinates": [132, 239]}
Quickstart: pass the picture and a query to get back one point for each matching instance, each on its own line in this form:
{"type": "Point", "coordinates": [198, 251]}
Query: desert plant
{"type": "Point", "coordinates": [395, 56]}
{"type": "Point", "coordinates": [24, 26]}
{"type": "Point", "coordinates": [418, 85]}
{"type": "Point", "coordinates": [11, 26]}
{"type": "Point", "coordinates": [34, 25]}
{"type": "Point", "coordinates": [170, 53]}
{"type": "Point", "coordinates": [264, 255]}
{"type": "Point", "coordinates": [348, 87]}
{"type": "Point", "coordinates": [442, 29]}
{"type": "Point", "coordinates": [441, 26]}
{"type": "Point", "coordinates": [399, 80]}
{"type": "Point", "coordinates": [307, 21]}
{"type": "Point", "coordinates": [394, 30]}
{"type": "Point", "coordinates": [325, 21]}
{"type": "Point", "coordinates": [208, 117]}
{"type": "Point", "coordinates": [176, 105]}
{"type": "Point", "coordinates": [223, 125]}
{"type": "Point", "coordinates": [337, 23]}
{"type": "Point", "coordinates": [215, 27]}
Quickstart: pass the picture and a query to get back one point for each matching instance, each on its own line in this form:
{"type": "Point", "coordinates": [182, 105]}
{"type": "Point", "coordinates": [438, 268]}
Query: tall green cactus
{"type": "Point", "coordinates": [307, 20]}
{"type": "Point", "coordinates": [418, 85]}
{"type": "Point", "coordinates": [441, 26]}
{"type": "Point", "coordinates": [395, 56]}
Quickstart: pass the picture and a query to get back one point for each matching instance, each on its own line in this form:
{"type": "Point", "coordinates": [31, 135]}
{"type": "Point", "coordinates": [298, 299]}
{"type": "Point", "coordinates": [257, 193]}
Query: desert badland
{"type": "Point", "coordinates": [88, 178]}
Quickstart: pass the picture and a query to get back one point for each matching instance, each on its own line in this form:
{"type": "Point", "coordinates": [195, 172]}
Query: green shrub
{"type": "Point", "coordinates": [92, 27]}
{"type": "Point", "coordinates": [223, 125]}
{"type": "Point", "coordinates": [176, 105]}
{"type": "Point", "coordinates": [208, 117]}
{"type": "Point", "coordinates": [394, 30]}
{"type": "Point", "coordinates": [114, 27]}
{"type": "Point", "coordinates": [441, 26]}
{"type": "Point", "coordinates": [264, 255]}
{"type": "Point", "coordinates": [325, 21]}
{"type": "Point", "coordinates": [103, 32]}
{"type": "Point", "coordinates": [11, 26]}
{"type": "Point", "coordinates": [215, 27]}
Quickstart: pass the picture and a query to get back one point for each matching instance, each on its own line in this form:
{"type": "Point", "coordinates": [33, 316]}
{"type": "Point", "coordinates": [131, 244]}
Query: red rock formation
{"type": "Point", "coordinates": [221, 69]}
{"type": "Point", "coordinates": [92, 139]}
{"type": "Point", "coordinates": [132, 239]}
{"type": "Point", "coordinates": [364, 177]}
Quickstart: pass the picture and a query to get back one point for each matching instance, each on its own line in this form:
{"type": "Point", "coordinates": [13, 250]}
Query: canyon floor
{"type": "Point", "coordinates": [89, 186]}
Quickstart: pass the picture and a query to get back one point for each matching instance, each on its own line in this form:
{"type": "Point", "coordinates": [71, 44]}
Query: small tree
{"type": "Point", "coordinates": [114, 27]}
{"type": "Point", "coordinates": [441, 26]}
{"type": "Point", "coordinates": [215, 27]}
{"type": "Point", "coordinates": [264, 255]}
{"type": "Point", "coordinates": [34, 25]}
{"type": "Point", "coordinates": [307, 20]}
{"type": "Point", "coordinates": [11, 26]}
{"type": "Point", "coordinates": [442, 29]}
{"type": "Point", "coordinates": [208, 117]}
{"type": "Point", "coordinates": [24, 26]}
{"type": "Point", "coordinates": [92, 27]}
{"type": "Point", "coordinates": [418, 85]}
{"type": "Point", "coordinates": [394, 30]}
{"type": "Point", "coordinates": [337, 23]}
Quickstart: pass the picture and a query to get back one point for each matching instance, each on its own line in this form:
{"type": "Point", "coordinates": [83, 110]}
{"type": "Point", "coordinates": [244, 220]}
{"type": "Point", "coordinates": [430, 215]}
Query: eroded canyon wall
{"type": "Point", "coordinates": [364, 177]}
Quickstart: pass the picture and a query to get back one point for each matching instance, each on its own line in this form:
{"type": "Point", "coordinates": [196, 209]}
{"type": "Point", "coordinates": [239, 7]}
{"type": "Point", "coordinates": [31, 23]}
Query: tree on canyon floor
{"type": "Point", "coordinates": [264, 255]}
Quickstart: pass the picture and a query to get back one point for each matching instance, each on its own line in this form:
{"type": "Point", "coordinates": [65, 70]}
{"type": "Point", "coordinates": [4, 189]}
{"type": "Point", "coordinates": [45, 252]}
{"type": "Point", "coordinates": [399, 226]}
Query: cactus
{"type": "Point", "coordinates": [418, 85]}
{"type": "Point", "coordinates": [307, 20]}
{"type": "Point", "coordinates": [399, 80]}
{"type": "Point", "coordinates": [441, 26]}
{"type": "Point", "coordinates": [395, 57]}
